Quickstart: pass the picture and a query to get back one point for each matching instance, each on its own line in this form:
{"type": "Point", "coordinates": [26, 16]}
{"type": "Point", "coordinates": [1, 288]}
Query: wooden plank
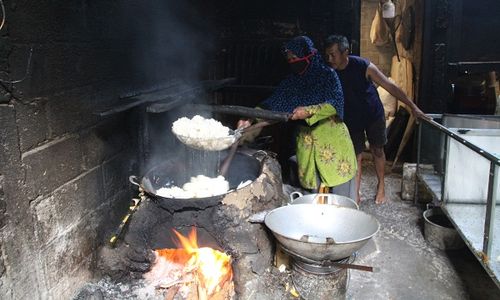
{"type": "Point", "coordinates": [169, 93]}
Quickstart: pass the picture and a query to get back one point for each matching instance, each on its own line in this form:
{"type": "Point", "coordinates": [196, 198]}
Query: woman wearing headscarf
{"type": "Point", "coordinates": [313, 95]}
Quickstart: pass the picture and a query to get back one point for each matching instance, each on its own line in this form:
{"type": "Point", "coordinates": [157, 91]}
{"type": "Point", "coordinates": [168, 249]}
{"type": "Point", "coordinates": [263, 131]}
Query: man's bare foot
{"type": "Point", "coordinates": [380, 198]}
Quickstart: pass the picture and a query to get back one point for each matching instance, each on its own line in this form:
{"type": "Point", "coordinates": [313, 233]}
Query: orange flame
{"type": "Point", "coordinates": [212, 267]}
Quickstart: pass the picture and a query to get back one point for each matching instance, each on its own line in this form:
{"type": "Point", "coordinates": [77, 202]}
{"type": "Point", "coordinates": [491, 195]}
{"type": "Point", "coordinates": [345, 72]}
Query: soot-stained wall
{"type": "Point", "coordinates": [64, 169]}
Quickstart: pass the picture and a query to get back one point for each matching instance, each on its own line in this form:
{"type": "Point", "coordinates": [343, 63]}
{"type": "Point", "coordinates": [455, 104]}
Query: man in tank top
{"type": "Point", "coordinates": [363, 110]}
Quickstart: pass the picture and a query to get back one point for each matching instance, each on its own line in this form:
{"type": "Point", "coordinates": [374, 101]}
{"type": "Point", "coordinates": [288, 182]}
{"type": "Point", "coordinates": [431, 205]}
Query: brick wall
{"type": "Point", "coordinates": [381, 56]}
{"type": "Point", "coordinates": [64, 170]}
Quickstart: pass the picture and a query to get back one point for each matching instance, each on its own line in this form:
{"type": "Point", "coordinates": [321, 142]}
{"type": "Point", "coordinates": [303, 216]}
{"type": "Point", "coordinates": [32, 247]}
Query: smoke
{"type": "Point", "coordinates": [168, 40]}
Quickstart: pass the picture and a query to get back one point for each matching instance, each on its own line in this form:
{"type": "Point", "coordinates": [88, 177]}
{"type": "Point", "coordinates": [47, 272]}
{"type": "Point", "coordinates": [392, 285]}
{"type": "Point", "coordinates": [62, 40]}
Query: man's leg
{"type": "Point", "coordinates": [346, 189]}
{"type": "Point", "coordinates": [377, 138]}
{"type": "Point", "coordinates": [379, 158]}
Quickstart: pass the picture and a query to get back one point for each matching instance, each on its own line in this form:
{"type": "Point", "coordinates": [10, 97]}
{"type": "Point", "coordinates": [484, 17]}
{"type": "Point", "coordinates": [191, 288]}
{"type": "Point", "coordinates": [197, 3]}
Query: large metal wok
{"type": "Point", "coordinates": [321, 232]}
{"type": "Point", "coordinates": [244, 167]}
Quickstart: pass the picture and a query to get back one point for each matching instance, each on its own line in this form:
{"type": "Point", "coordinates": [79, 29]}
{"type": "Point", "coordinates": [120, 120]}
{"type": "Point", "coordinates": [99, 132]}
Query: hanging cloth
{"type": "Point", "coordinates": [379, 31]}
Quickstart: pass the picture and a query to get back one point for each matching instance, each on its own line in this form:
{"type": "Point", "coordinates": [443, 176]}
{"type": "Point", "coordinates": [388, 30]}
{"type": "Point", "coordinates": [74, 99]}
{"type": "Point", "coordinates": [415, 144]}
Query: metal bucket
{"type": "Point", "coordinates": [439, 231]}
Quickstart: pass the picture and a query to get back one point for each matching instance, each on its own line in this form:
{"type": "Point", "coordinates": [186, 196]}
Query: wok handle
{"type": "Point", "coordinates": [259, 217]}
{"type": "Point", "coordinates": [293, 194]}
{"type": "Point", "coordinates": [261, 155]}
{"type": "Point", "coordinates": [132, 208]}
{"type": "Point", "coordinates": [328, 240]}
{"type": "Point", "coordinates": [133, 179]}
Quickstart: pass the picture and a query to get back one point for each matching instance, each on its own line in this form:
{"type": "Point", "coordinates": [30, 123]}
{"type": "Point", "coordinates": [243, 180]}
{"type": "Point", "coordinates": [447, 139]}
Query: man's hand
{"type": "Point", "coordinates": [300, 113]}
{"type": "Point", "coordinates": [418, 114]}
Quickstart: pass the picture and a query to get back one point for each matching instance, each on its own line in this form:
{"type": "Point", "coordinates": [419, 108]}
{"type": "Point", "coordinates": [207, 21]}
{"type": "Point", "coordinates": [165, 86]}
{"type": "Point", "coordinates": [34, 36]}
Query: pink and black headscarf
{"type": "Point", "coordinates": [318, 84]}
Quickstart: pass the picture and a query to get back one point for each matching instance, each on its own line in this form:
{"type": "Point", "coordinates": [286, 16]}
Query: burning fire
{"type": "Point", "coordinates": [204, 268]}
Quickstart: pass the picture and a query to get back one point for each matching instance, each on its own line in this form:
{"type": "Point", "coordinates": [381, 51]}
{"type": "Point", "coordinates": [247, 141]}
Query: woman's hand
{"type": "Point", "coordinates": [243, 124]}
{"type": "Point", "coordinates": [300, 113]}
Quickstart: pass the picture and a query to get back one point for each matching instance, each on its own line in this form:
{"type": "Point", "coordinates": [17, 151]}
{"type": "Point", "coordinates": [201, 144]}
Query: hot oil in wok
{"type": "Point", "coordinates": [199, 179]}
{"type": "Point", "coordinates": [179, 170]}
{"type": "Point", "coordinates": [244, 167]}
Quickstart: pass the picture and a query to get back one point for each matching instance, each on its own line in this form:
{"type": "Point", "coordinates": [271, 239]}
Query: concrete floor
{"type": "Point", "coordinates": [410, 268]}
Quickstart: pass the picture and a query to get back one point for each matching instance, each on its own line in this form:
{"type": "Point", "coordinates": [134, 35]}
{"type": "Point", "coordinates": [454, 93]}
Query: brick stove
{"type": "Point", "coordinates": [222, 226]}
{"type": "Point", "coordinates": [228, 226]}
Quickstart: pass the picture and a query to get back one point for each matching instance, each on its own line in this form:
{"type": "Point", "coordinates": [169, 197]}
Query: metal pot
{"type": "Point", "coordinates": [439, 231]}
{"type": "Point", "coordinates": [321, 232]}
{"type": "Point", "coordinates": [332, 199]}
{"type": "Point", "coordinates": [244, 167]}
